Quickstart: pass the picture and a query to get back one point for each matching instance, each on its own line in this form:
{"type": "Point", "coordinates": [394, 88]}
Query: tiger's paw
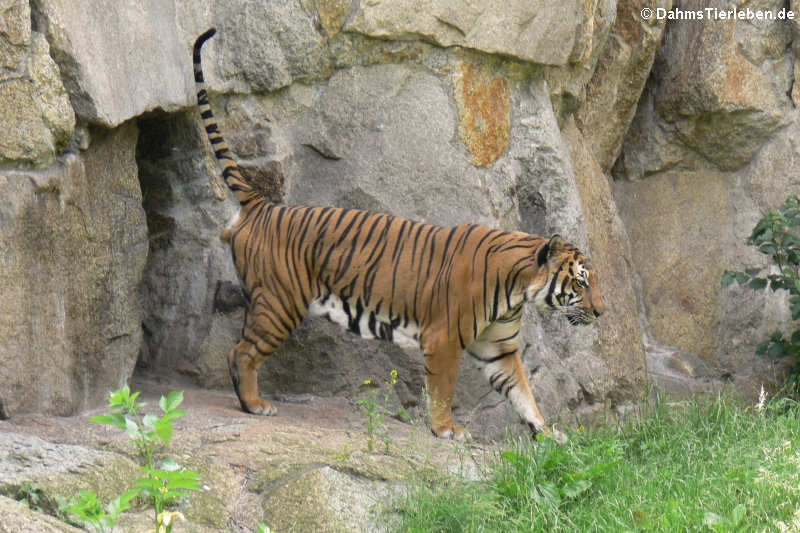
{"type": "Point", "coordinates": [559, 436]}
{"type": "Point", "coordinates": [452, 432]}
{"type": "Point", "coordinates": [550, 433]}
{"type": "Point", "coordinates": [260, 407]}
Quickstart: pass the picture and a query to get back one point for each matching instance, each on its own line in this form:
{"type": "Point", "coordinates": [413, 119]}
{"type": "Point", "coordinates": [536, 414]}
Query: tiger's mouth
{"type": "Point", "coordinates": [579, 317]}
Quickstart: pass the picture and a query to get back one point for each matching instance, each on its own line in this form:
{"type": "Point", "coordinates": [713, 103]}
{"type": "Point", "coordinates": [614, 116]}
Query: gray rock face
{"type": "Point", "coordinates": [397, 127]}
{"type": "Point", "coordinates": [187, 261]}
{"type": "Point", "coordinates": [15, 33]}
{"type": "Point", "coordinates": [26, 458]}
{"type": "Point", "coordinates": [380, 136]}
{"type": "Point", "coordinates": [620, 332]}
{"type": "Point", "coordinates": [680, 278]}
{"type": "Point", "coordinates": [719, 91]}
{"type": "Point", "coordinates": [19, 518]}
{"type": "Point", "coordinates": [268, 45]}
{"type": "Point", "coordinates": [712, 139]}
{"type": "Point", "coordinates": [623, 66]}
{"type": "Point", "coordinates": [73, 250]}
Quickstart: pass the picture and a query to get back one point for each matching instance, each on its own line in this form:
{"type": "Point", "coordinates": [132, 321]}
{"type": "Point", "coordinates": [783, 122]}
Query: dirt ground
{"type": "Point", "coordinates": [306, 469]}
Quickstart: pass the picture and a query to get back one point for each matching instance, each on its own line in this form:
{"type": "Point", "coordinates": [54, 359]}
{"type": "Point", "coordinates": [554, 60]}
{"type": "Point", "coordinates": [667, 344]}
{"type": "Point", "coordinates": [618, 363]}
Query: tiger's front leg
{"type": "Point", "coordinates": [507, 376]}
{"type": "Point", "coordinates": [497, 352]}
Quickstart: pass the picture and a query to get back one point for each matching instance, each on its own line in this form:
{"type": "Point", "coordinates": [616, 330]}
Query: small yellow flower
{"type": "Point", "coordinates": [367, 382]}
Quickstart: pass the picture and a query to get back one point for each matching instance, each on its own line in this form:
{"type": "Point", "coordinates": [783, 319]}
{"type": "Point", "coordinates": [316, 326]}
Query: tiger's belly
{"type": "Point", "coordinates": [364, 322]}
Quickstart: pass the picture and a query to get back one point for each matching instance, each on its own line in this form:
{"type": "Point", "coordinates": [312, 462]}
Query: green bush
{"type": "Point", "coordinates": [777, 236]}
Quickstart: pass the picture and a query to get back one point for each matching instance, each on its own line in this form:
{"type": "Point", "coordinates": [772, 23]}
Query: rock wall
{"type": "Point", "coordinates": [654, 153]}
{"type": "Point", "coordinates": [712, 148]}
{"type": "Point", "coordinates": [73, 239]}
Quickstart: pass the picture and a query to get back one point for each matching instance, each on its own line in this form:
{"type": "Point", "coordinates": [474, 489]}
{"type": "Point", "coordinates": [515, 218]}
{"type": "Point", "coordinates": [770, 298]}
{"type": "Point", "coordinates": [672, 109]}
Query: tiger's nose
{"type": "Point", "coordinates": [599, 306]}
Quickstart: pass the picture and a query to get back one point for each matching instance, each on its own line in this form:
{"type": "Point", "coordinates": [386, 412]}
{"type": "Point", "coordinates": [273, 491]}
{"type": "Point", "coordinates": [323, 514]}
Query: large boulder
{"type": "Point", "coordinates": [540, 31]}
{"type": "Point", "coordinates": [134, 61]}
{"type": "Point", "coordinates": [720, 90]}
{"type": "Point", "coordinates": [265, 46]}
{"type": "Point", "coordinates": [623, 67]}
{"type": "Point", "coordinates": [73, 241]}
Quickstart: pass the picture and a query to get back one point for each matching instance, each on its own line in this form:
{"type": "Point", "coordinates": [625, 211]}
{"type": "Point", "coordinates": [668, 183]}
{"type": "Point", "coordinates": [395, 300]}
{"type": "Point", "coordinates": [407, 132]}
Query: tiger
{"type": "Point", "coordinates": [442, 290]}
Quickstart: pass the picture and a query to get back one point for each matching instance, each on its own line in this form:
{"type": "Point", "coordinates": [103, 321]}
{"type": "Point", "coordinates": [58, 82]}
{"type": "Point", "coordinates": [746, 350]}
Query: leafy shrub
{"type": "Point", "coordinates": [777, 236]}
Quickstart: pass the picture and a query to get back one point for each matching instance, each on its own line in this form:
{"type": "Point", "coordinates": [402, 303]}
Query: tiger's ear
{"type": "Point", "coordinates": [552, 247]}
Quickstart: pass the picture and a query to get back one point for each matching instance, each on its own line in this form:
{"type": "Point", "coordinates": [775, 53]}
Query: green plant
{"type": "Point", "coordinates": [724, 524]}
{"type": "Point", "coordinates": [777, 236]}
{"type": "Point", "coordinates": [375, 406]}
{"type": "Point", "coordinates": [149, 433]}
{"type": "Point", "coordinates": [30, 494]}
{"type": "Point", "coordinates": [163, 484]}
{"type": "Point", "coordinates": [88, 508]}
{"type": "Point", "coordinates": [546, 475]}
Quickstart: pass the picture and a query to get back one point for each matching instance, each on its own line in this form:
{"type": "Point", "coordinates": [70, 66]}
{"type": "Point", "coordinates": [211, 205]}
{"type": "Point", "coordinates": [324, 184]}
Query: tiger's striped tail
{"type": "Point", "coordinates": [231, 173]}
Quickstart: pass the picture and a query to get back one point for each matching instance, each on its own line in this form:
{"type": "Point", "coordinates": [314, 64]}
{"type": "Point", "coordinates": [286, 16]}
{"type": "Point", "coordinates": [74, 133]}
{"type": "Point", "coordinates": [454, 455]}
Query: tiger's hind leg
{"type": "Point", "coordinates": [243, 363]}
{"type": "Point", "coordinates": [267, 325]}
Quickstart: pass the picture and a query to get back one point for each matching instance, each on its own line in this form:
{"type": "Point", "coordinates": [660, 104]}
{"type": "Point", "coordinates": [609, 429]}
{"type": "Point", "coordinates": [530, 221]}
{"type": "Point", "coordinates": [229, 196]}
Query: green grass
{"type": "Point", "coordinates": [714, 466]}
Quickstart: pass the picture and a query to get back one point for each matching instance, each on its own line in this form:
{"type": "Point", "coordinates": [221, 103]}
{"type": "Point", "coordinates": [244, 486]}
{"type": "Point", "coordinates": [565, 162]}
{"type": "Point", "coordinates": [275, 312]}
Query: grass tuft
{"type": "Point", "coordinates": [696, 466]}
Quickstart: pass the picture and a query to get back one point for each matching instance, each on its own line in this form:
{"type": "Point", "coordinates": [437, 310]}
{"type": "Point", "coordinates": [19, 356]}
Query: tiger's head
{"type": "Point", "coordinates": [571, 286]}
